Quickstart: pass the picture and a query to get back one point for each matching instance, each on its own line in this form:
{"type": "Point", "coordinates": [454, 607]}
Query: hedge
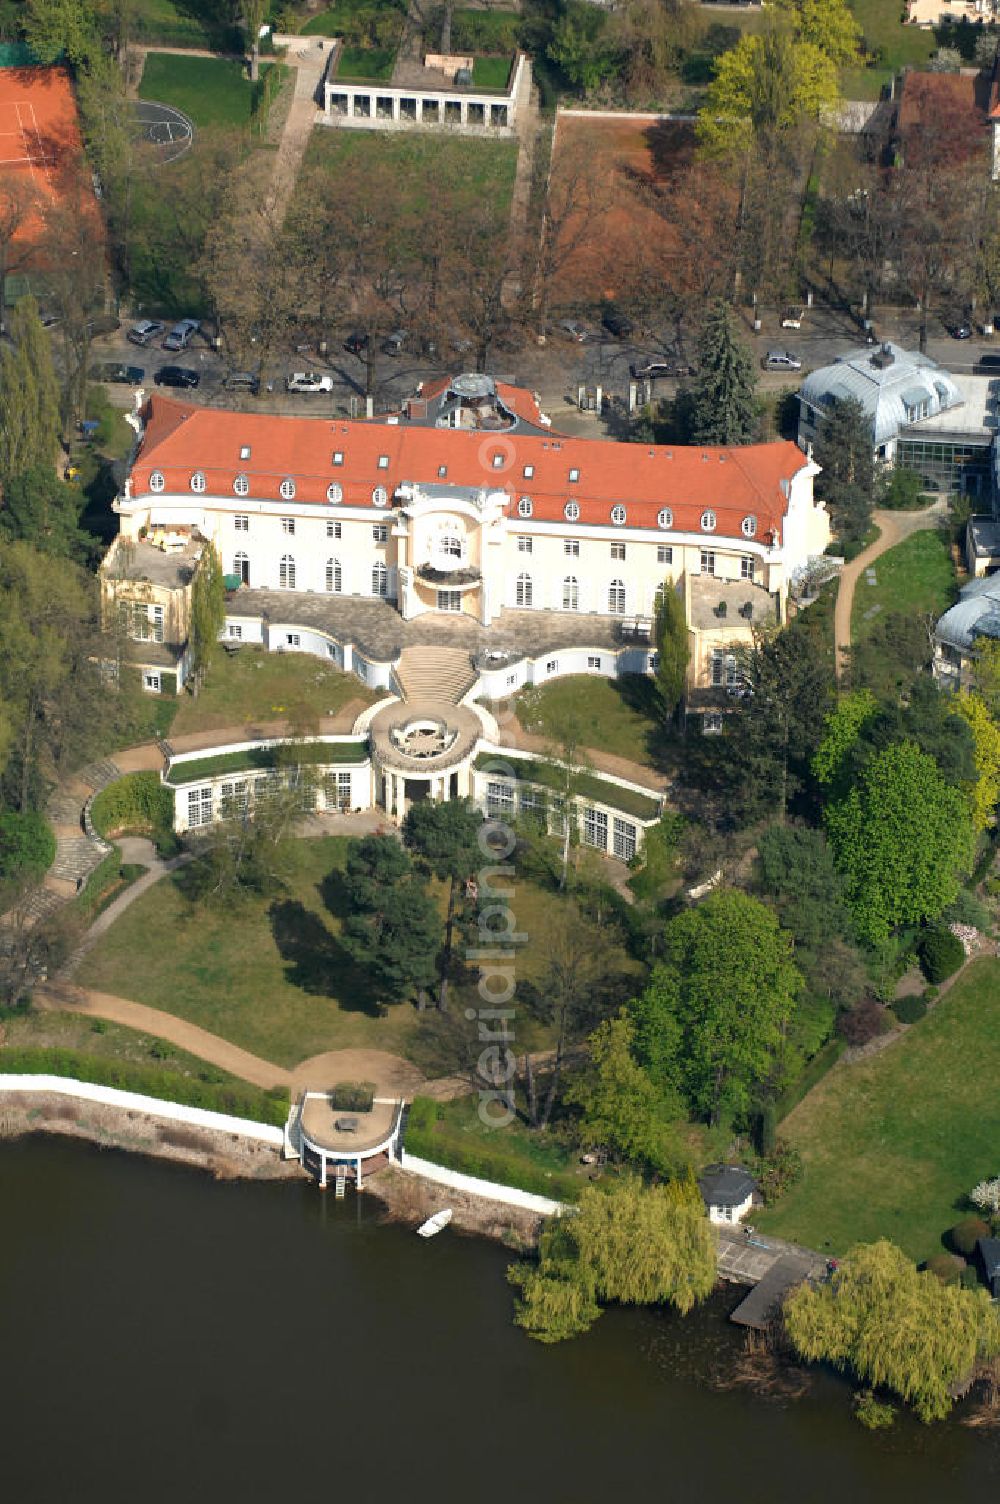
{"type": "Point", "coordinates": [941, 954]}
{"type": "Point", "coordinates": [421, 1139]}
{"type": "Point", "coordinates": [27, 845]}
{"type": "Point", "coordinates": [235, 1099]}
{"type": "Point", "coordinates": [139, 802]}
{"type": "Point", "coordinates": [814, 1071]}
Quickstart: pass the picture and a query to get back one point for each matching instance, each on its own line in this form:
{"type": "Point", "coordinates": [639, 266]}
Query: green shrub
{"type": "Point", "coordinates": [767, 1130]}
{"type": "Point", "coordinates": [423, 1141]}
{"type": "Point", "coordinates": [964, 1236]}
{"type": "Point", "coordinates": [947, 1267]}
{"type": "Point", "coordinates": [352, 1096]}
{"type": "Point", "coordinates": [424, 1113]}
{"type": "Point", "coordinates": [27, 845]}
{"type": "Point", "coordinates": [874, 1415]}
{"type": "Point", "coordinates": [931, 994]}
{"type": "Point", "coordinates": [969, 1278]}
{"type": "Point", "coordinates": [232, 1097]}
{"type": "Point", "coordinates": [968, 908]}
{"type": "Point", "coordinates": [941, 954]}
{"type": "Point", "coordinates": [137, 802]}
{"type": "Point", "coordinates": [909, 1010]}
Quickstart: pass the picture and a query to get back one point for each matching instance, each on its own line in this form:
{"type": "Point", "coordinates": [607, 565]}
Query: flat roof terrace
{"type": "Point", "coordinates": [327, 1128]}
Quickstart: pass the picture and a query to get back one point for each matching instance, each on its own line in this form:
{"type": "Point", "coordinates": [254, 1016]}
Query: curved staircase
{"type": "Point", "coordinates": [428, 673]}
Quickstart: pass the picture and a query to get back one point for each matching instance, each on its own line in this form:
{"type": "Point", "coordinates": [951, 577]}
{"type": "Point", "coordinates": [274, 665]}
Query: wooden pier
{"type": "Point", "coordinates": [771, 1266]}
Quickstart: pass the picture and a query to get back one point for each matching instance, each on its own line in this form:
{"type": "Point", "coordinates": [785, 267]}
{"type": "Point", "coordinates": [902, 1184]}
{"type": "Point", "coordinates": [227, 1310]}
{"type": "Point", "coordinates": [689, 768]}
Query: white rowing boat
{"type": "Point", "coordinates": [433, 1225]}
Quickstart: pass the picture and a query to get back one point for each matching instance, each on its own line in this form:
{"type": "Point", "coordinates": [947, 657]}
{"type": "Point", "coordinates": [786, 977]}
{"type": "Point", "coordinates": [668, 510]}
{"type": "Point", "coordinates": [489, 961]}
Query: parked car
{"type": "Point", "coordinates": [113, 371]}
{"type": "Point", "coordinates": [961, 330]}
{"type": "Point", "coordinates": [656, 370]}
{"type": "Point", "coordinates": [145, 332]}
{"type": "Point", "coordinates": [577, 332]}
{"type": "Point", "coordinates": [781, 360]}
{"type": "Point", "coordinates": [308, 381]}
{"type": "Point", "coordinates": [616, 323]}
{"type": "Point", "coordinates": [792, 318]}
{"type": "Point", "coordinates": [176, 376]}
{"type": "Point", "coordinates": [242, 381]}
{"type": "Point", "coordinates": [181, 335]}
{"type": "Point", "coordinates": [393, 345]}
{"type": "Point", "coordinates": [356, 343]}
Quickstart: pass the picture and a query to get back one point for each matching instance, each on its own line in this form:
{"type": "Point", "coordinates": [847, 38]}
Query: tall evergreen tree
{"type": "Point", "coordinates": [445, 839]}
{"type": "Point", "coordinates": [721, 406]}
{"type": "Point", "coordinates": [208, 609]}
{"type": "Point", "coordinates": [29, 395]}
{"type": "Point", "coordinates": [847, 480]}
{"type": "Point", "coordinates": [673, 648]}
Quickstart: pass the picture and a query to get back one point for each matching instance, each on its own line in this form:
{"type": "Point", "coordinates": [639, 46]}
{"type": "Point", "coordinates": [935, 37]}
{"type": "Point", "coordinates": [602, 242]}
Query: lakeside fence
{"type": "Point", "coordinates": [131, 1101]}
{"type": "Point", "coordinates": [490, 1190]}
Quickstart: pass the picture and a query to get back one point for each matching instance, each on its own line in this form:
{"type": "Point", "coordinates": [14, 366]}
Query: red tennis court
{"type": "Point", "coordinates": [41, 153]}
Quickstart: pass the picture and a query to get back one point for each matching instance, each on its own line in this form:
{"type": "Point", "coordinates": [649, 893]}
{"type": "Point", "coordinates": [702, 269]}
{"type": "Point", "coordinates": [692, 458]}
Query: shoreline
{"type": "Point", "coordinates": [404, 1197]}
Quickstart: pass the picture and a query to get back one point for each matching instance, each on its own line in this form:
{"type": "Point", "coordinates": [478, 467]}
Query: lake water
{"type": "Point", "coordinates": [164, 1337]}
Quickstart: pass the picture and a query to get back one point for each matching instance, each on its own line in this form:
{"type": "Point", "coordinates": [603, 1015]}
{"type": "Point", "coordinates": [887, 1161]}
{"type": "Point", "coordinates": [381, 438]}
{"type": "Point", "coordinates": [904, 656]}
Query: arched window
{"type": "Point", "coordinates": [198, 481]}
{"type": "Point", "coordinates": [450, 546]}
{"type": "Point", "coordinates": [241, 566]}
{"type": "Point", "coordinates": [571, 593]}
{"type": "Point", "coordinates": [664, 517]}
{"type": "Point", "coordinates": [524, 507]}
{"type": "Point", "coordinates": [156, 481]}
{"type": "Point", "coordinates": [380, 579]}
{"type": "Point", "coordinates": [708, 522]}
{"type": "Point", "coordinates": [286, 572]}
{"type": "Point", "coordinates": [380, 496]}
{"type": "Point", "coordinates": [334, 576]}
{"type": "Point", "coordinates": [571, 511]}
{"type": "Point", "coordinates": [618, 516]}
{"type": "Point", "coordinates": [241, 485]}
{"type": "Point", "coordinates": [334, 492]}
{"type": "Point", "coordinates": [524, 590]}
{"type": "Point", "coordinates": [287, 488]}
{"type": "Point", "coordinates": [749, 526]}
{"type": "Point", "coordinates": [616, 598]}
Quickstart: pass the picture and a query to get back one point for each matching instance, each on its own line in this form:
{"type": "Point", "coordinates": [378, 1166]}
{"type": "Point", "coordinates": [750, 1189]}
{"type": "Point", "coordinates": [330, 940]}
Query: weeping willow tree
{"type": "Point", "coordinates": [895, 1327]}
{"type": "Point", "coordinates": [633, 1244]}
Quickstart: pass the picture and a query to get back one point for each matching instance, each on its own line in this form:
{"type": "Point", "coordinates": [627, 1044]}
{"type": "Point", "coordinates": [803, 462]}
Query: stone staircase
{"type": "Point", "coordinates": [429, 673]}
{"type": "Point", "coordinates": [76, 858]}
{"type": "Point", "coordinates": [99, 774]}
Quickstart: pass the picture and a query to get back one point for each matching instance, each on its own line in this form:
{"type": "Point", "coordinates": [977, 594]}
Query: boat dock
{"type": "Point", "coordinates": [771, 1266]}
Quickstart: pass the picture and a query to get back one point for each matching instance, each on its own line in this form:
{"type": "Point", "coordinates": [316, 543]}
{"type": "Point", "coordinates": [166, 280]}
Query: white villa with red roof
{"type": "Point", "coordinates": [467, 526]}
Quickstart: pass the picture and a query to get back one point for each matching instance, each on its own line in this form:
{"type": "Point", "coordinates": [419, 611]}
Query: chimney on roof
{"type": "Point", "coordinates": [883, 357]}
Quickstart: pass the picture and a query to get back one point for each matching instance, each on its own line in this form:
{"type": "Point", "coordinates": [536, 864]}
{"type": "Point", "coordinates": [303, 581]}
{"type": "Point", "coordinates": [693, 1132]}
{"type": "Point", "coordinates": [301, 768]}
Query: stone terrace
{"type": "Point", "coordinates": [378, 630]}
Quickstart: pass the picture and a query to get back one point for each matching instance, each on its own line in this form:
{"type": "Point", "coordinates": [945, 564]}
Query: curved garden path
{"type": "Point", "coordinates": [893, 527]}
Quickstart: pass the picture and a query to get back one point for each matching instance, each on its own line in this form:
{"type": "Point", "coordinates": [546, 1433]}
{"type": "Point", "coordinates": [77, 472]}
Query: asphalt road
{"type": "Point", "coordinates": [554, 370]}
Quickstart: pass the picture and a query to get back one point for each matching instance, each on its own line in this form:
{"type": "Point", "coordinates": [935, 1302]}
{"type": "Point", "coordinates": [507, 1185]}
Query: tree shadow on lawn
{"type": "Point", "coordinates": [316, 961]}
{"type": "Point", "coordinates": [641, 695]}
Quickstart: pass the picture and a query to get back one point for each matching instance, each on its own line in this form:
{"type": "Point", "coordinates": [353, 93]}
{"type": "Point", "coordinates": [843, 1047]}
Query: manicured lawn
{"type": "Point", "coordinates": [422, 165]}
{"type": "Point", "coordinates": [491, 72]}
{"type": "Point", "coordinates": [915, 577]}
{"type": "Point", "coordinates": [513, 1153]}
{"type": "Point", "coordinates": [210, 90]}
{"type": "Point", "coordinates": [253, 685]}
{"type": "Point", "coordinates": [620, 716]}
{"type": "Point", "coordinates": [272, 975]}
{"type": "Point", "coordinates": [365, 62]}
{"type": "Point", "coordinates": [891, 1146]}
{"type": "Point", "coordinates": [882, 26]}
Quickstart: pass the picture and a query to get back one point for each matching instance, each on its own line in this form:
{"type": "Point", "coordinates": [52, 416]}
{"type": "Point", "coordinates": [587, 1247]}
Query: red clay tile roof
{"type": "Point", "coordinates": [734, 483]}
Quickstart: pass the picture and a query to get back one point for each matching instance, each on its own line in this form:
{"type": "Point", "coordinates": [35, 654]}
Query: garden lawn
{"type": "Point", "coordinates": [183, 23]}
{"type": "Point", "coordinates": [253, 685]}
{"type": "Point", "coordinates": [365, 62]}
{"type": "Point", "coordinates": [421, 163]}
{"type": "Point", "coordinates": [619, 716]}
{"type": "Point", "coordinates": [272, 975]}
{"type": "Point", "coordinates": [882, 27]}
{"type": "Point", "coordinates": [514, 1154]}
{"type": "Point", "coordinates": [211, 91]}
{"type": "Point", "coordinates": [916, 577]}
{"type": "Point", "coordinates": [333, 21]}
{"type": "Point", "coordinates": [491, 72]}
{"type": "Point", "coordinates": [94, 1036]}
{"type": "Point", "coordinates": [892, 1145]}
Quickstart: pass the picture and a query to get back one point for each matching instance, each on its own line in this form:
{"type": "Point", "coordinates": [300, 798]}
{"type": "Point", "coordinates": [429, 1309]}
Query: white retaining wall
{"type": "Point", "coordinates": [174, 1112]}
{"type": "Point", "coordinates": [489, 1189]}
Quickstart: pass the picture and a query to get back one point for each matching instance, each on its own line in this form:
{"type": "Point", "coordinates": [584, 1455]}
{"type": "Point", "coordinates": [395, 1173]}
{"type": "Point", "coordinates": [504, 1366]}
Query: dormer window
{"type": "Point", "coordinates": [499, 460]}
{"type": "Point", "coordinates": [338, 456]}
{"type": "Point", "coordinates": [618, 515]}
{"type": "Point", "coordinates": [245, 452]}
{"type": "Point", "coordinates": [334, 492]}
{"type": "Point", "coordinates": [198, 481]}
{"type": "Point", "coordinates": [287, 488]}
{"type": "Point", "coordinates": [442, 471]}
{"type": "Point", "coordinates": [524, 507]}
{"type": "Point", "coordinates": [156, 481]}
{"type": "Point", "coordinates": [241, 485]}
{"type": "Point", "coordinates": [749, 526]}
{"type": "Point", "coordinates": [383, 462]}
{"type": "Point", "coordinates": [664, 517]}
{"type": "Point", "coordinates": [571, 511]}
{"type": "Point", "coordinates": [380, 497]}
{"type": "Point", "coordinates": [708, 522]}
{"type": "Point", "coordinates": [529, 471]}
{"type": "Point", "coordinates": [574, 474]}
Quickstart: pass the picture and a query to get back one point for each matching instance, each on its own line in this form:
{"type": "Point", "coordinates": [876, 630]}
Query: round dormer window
{"type": "Point", "coordinates": [241, 485]}
{"type": "Point", "coordinates": [198, 481]}
{"type": "Point", "coordinates": [664, 517]}
{"type": "Point", "coordinates": [156, 481]}
{"type": "Point", "coordinates": [287, 489]}
{"type": "Point", "coordinates": [571, 511]}
{"type": "Point", "coordinates": [380, 497]}
{"type": "Point", "coordinates": [749, 526]}
{"type": "Point", "coordinates": [619, 515]}
{"type": "Point", "coordinates": [334, 492]}
{"type": "Point", "coordinates": [708, 522]}
{"type": "Point", "coordinates": [524, 507]}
